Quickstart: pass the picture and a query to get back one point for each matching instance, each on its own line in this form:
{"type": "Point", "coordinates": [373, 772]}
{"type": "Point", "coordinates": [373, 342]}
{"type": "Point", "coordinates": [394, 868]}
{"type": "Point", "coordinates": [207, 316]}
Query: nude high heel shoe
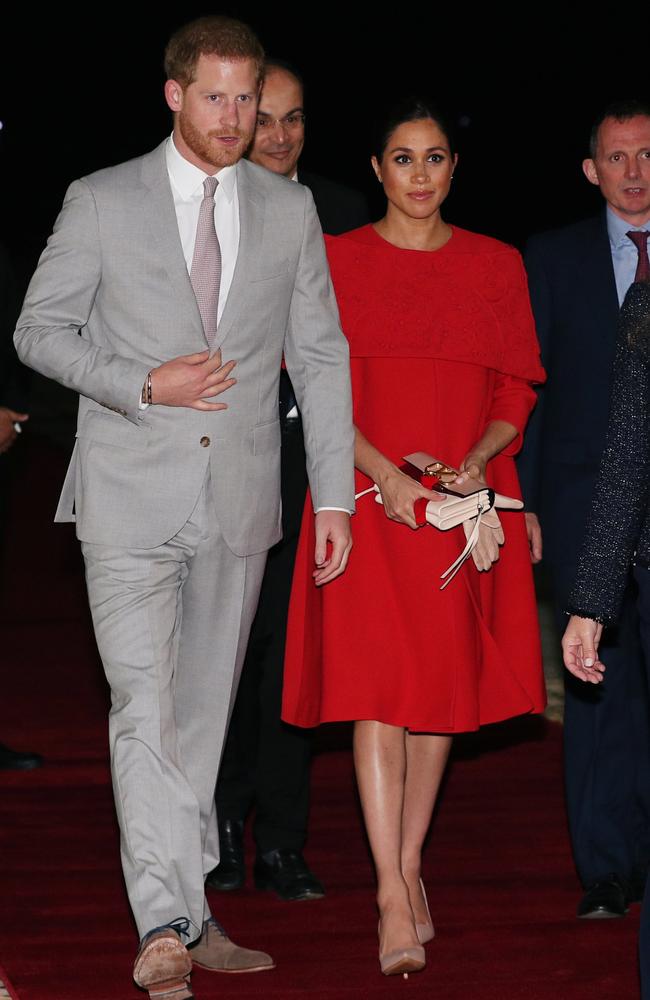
{"type": "Point", "coordinates": [425, 932]}
{"type": "Point", "coordinates": [402, 960]}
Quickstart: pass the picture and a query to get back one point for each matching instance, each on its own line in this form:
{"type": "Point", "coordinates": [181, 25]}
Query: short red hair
{"type": "Point", "coordinates": [210, 36]}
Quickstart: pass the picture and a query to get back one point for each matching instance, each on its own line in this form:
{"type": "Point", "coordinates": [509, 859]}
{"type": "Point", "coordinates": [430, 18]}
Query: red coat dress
{"type": "Point", "coordinates": [441, 343]}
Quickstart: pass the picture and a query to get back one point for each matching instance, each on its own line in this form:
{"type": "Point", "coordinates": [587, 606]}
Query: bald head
{"type": "Point", "coordinates": [280, 133]}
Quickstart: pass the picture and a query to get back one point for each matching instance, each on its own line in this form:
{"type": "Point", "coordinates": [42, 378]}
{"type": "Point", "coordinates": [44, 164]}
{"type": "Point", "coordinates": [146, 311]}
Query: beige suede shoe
{"type": "Point", "coordinates": [216, 952]}
{"type": "Point", "coordinates": [163, 967]}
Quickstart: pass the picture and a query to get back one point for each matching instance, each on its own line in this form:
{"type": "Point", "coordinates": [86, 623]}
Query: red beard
{"type": "Point", "coordinates": [203, 146]}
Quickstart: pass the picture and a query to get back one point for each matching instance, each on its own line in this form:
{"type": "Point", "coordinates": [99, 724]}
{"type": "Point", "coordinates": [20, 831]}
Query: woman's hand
{"type": "Point", "coordinates": [472, 467]}
{"type": "Point", "coordinates": [486, 552]}
{"type": "Point", "coordinates": [580, 648]}
{"type": "Point", "coordinates": [498, 435]}
{"type": "Point", "coordinates": [399, 492]}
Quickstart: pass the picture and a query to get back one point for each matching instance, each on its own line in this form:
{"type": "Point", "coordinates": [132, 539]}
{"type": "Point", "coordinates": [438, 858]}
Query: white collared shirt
{"type": "Point", "coordinates": [187, 188]}
{"type": "Point", "coordinates": [625, 255]}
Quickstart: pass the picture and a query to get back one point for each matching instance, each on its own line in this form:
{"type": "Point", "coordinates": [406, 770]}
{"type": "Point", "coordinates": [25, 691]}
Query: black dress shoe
{"type": "Point", "coordinates": [230, 873]}
{"type": "Point", "coordinates": [285, 871]}
{"type": "Point", "coordinates": [603, 899]}
{"type": "Point", "coordinates": [13, 760]}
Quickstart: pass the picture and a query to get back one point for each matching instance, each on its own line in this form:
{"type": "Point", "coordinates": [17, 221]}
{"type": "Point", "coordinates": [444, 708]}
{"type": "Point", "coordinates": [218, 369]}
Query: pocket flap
{"type": "Point", "coordinates": [112, 429]}
{"type": "Point", "coordinates": [266, 437]}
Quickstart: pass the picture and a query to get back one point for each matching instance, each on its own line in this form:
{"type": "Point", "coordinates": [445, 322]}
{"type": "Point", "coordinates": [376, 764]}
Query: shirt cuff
{"type": "Point", "coordinates": [344, 510]}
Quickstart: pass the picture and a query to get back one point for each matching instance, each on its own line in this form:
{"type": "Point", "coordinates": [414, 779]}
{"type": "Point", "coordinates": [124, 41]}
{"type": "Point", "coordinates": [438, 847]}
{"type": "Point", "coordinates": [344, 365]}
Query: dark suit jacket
{"type": "Point", "coordinates": [13, 376]}
{"type": "Point", "coordinates": [339, 208]}
{"type": "Point", "coordinates": [573, 293]}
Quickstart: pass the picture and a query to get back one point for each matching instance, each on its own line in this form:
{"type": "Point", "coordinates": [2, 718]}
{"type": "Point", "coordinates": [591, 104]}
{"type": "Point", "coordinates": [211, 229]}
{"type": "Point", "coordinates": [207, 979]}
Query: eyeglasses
{"type": "Point", "coordinates": [290, 122]}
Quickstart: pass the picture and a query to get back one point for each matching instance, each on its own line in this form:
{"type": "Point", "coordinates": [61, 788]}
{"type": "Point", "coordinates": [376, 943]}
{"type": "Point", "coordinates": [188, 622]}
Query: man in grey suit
{"type": "Point", "coordinates": [174, 481]}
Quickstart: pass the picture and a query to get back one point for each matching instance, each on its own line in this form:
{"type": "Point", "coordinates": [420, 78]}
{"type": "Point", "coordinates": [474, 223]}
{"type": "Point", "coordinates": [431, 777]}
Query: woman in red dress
{"type": "Point", "coordinates": [443, 358]}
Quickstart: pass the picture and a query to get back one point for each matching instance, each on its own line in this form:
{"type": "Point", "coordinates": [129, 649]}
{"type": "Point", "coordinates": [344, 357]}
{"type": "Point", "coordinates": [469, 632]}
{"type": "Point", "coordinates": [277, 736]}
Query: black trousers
{"type": "Point", "coordinates": [265, 761]}
{"type": "Point", "coordinates": [607, 753]}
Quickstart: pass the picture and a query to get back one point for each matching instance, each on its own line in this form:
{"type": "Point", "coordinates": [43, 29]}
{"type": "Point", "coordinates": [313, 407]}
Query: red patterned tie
{"type": "Point", "coordinates": [205, 273]}
{"type": "Point", "coordinates": [640, 240]}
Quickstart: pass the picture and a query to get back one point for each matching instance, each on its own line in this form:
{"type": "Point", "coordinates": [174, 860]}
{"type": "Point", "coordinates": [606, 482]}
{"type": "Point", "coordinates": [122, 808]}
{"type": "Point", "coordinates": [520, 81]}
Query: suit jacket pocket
{"type": "Point", "coordinates": [277, 270]}
{"type": "Point", "coordinates": [113, 429]}
{"type": "Point", "coordinates": [266, 437]}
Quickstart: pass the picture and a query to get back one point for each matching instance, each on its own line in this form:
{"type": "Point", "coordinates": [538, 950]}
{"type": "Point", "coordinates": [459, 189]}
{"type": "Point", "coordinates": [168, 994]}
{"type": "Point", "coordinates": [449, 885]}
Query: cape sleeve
{"type": "Point", "coordinates": [513, 401]}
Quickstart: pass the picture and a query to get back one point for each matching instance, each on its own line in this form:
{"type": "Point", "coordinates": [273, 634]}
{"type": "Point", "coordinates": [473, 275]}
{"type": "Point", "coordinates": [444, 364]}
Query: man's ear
{"type": "Point", "coordinates": [174, 95]}
{"type": "Point", "coordinates": [589, 170]}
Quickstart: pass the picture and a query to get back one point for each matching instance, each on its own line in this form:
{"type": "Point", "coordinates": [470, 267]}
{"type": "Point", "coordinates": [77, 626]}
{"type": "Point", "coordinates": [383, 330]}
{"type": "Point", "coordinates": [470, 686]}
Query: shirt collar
{"type": "Point", "coordinates": [188, 179]}
{"type": "Point", "coordinates": [618, 228]}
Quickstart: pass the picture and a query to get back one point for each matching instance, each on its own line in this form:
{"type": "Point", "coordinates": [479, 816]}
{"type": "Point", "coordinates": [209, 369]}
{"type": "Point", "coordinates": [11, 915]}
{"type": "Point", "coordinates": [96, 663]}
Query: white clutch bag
{"type": "Point", "coordinates": [468, 501]}
{"type": "Point", "coordinates": [470, 496]}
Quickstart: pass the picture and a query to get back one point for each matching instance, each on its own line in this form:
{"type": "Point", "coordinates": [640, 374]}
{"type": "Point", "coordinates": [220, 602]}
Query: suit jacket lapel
{"type": "Point", "coordinates": [160, 215]}
{"type": "Point", "coordinates": [599, 267]}
{"type": "Point", "coordinates": [251, 225]}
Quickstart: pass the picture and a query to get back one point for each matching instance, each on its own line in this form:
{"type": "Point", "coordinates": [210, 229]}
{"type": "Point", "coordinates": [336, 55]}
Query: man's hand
{"type": "Point", "coordinates": [580, 648]}
{"type": "Point", "coordinates": [8, 433]}
{"type": "Point", "coordinates": [534, 532]}
{"type": "Point", "coordinates": [332, 526]}
{"type": "Point", "coordinates": [191, 380]}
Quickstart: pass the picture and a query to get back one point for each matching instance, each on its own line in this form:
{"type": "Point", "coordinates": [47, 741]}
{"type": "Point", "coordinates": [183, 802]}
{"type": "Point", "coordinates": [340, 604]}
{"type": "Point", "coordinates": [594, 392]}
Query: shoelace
{"type": "Point", "coordinates": [179, 924]}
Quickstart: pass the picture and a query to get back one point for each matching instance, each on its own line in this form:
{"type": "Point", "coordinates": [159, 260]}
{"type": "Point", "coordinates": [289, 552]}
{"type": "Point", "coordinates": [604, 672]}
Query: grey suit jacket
{"type": "Point", "coordinates": [111, 299]}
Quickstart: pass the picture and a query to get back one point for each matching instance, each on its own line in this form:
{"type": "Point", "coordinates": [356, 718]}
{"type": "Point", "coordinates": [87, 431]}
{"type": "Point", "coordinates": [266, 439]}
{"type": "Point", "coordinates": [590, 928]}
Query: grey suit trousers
{"type": "Point", "coordinates": [172, 626]}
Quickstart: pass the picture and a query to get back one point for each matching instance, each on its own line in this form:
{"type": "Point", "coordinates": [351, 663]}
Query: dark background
{"type": "Point", "coordinates": [79, 92]}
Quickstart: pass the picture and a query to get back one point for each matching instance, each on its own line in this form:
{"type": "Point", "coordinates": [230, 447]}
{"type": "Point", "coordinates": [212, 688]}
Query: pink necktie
{"type": "Point", "coordinates": [205, 273]}
{"type": "Point", "coordinates": [640, 240]}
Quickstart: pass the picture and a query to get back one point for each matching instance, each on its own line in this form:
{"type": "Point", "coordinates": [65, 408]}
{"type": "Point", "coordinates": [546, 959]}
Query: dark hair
{"type": "Point", "coordinates": [622, 111]}
{"type": "Point", "coordinates": [207, 36]}
{"type": "Point", "coordinates": [408, 109]}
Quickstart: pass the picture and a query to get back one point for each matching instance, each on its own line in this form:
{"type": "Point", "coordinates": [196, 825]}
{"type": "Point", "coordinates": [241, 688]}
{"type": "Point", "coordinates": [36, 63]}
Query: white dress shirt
{"type": "Point", "coordinates": [625, 255]}
{"type": "Point", "coordinates": [186, 182]}
{"type": "Point", "coordinates": [187, 188]}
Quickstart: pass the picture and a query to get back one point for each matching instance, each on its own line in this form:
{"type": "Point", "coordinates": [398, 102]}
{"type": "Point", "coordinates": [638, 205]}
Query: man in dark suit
{"type": "Point", "coordinates": [12, 375]}
{"type": "Point", "coordinates": [578, 278]}
{"type": "Point", "coordinates": [266, 763]}
{"type": "Point", "coordinates": [12, 416]}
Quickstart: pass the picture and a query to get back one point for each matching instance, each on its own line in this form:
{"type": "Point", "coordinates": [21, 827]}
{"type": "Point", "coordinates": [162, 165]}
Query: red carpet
{"type": "Point", "coordinates": [498, 870]}
{"type": "Point", "coordinates": [6, 988]}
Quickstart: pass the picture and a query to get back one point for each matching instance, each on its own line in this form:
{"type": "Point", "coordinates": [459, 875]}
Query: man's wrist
{"type": "Point", "coordinates": [146, 397]}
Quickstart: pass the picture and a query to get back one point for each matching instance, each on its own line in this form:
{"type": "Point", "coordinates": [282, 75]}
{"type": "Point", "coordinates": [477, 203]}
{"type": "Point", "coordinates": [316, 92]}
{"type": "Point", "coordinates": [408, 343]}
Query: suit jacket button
{"type": "Point", "coordinates": [204, 442]}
